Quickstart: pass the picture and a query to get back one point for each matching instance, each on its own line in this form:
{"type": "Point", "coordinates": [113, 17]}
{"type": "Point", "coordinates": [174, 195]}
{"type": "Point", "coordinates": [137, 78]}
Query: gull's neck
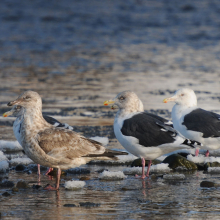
{"type": "Point", "coordinates": [33, 119]}
{"type": "Point", "coordinates": [123, 113]}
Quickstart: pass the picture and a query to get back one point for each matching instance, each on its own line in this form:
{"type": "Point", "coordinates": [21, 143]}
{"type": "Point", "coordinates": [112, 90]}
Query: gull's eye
{"type": "Point", "coordinates": [27, 97]}
{"type": "Point", "coordinates": [182, 94]}
{"type": "Point", "coordinates": [122, 98]}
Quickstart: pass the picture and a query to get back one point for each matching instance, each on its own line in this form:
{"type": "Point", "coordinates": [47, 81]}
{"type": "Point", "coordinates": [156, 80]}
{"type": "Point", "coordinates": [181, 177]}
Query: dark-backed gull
{"type": "Point", "coordinates": [144, 135]}
{"type": "Point", "coordinates": [193, 122]}
{"type": "Point", "coordinates": [53, 146]}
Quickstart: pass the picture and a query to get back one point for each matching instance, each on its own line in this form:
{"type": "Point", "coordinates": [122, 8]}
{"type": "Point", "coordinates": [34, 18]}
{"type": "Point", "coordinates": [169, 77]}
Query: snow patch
{"type": "Point", "coordinates": [213, 170]}
{"type": "Point", "coordinates": [109, 175]}
{"type": "Point", "coordinates": [174, 177]}
{"type": "Point", "coordinates": [10, 146]}
{"type": "Point", "coordinates": [74, 185]}
{"type": "Point", "coordinates": [162, 167]}
{"type": "Point", "coordinates": [24, 161]}
{"type": "Point", "coordinates": [126, 158]}
{"type": "Point", "coordinates": [103, 140]}
{"type": "Point", "coordinates": [202, 159]}
{"type": "Point", "coordinates": [4, 166]}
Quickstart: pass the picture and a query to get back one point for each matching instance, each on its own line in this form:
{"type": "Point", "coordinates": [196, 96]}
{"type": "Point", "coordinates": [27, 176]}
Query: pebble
{"type": "Point", "coordinates": [78, 171]}
{"type": "Point", "coordinates": [15, 189]}
{"type": "Point", "coordinates": [69, 205]}
{"type": "Point", "coordinates": [36, 186]}
{"type": "Point", "coordinates": [20, 167]}
{"type": "Point", "coordinates": [21, 184]}
{"type": "Point", "coordinates": [6, 194]}
{"type": "Point", "coordinates": [89, 204]}
{"type": "Point", "coordinates": [209, 184]}
{"type": "Point", "coordinates": [7, 183]}
{"type": "Point", "coordinates": [84, 178]}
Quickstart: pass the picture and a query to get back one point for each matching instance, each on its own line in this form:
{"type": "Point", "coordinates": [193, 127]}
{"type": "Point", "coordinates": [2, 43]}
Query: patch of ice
{"type": "Point", "coordinates": [4, 166]}
{"type": "Point", "coordinates": [162, 167]}
{"type": "Point", "coordinates": [109, 175]}
{"type": "Point", "coordinates": [24, 161]}
{"type": "Point", "coordinates": [74, 185]}
{"type": "Point", "coordinates": [10, 146]}
{"type": "Point", "coordinates": [202, 159]}
{"type": "Point", "coordinates": [103, 140]}
{"type": "Point", "coordinates": [174, 177]}
{"type": "Point", "coordinates": [126, 158]}
{"type": "Point", "coordinates": [214, 170]}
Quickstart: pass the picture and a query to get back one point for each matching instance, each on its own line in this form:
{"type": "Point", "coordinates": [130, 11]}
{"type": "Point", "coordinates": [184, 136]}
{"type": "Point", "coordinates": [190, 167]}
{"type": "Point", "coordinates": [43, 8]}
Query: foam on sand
{"type": "Point", "coordinates": [112, 175]}
{"type": "Point", "coordinates": [74, 185]}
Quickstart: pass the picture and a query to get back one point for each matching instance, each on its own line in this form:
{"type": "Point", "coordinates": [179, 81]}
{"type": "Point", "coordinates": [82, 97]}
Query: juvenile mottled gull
{"type": "Point", "coordinates": [52, 146]}
{"type": "Point", "coordinates": [144, 135]}
{"type": "Point", "coordinates": [18, 112]}
{"type": "Point", "coordinates": [193, 122]}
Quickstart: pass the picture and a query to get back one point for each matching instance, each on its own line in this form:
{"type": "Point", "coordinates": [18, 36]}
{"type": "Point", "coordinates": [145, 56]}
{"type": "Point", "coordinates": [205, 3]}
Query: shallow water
{"type": "Point", "coordinates": [77, 54]}
{"type": "Point", "coordinates": [130, 198]}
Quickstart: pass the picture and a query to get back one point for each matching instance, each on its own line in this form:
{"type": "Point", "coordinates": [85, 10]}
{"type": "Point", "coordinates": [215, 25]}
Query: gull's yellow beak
{"type": "Point", "coordinates": [108, 102]}
{"type": "Point", "coordinates": [6, 114]}
{"type": "Point", "coordinates": [171, 99]}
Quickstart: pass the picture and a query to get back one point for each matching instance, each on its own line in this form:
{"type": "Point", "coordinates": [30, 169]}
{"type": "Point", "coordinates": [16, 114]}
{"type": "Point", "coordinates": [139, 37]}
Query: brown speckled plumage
{"type": "Point", "coordinates": [51, 146]}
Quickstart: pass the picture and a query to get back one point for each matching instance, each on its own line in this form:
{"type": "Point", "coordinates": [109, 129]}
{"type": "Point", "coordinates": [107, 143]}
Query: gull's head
{"type": "Point", "coordinates": [185, 97]}
{"type": "Point", "coordinates": [16, 111]}
{"type": "Point", "coordinates": [28, 99]}
{"type": "Point", "coordinates": [127, 100]}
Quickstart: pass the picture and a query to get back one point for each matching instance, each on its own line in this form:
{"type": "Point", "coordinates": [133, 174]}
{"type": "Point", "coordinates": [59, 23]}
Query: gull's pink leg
{"type": "Point", "coordinates": [148, 168]}
{"type": "Point", "coordinates": [49, 187]}
{"type": "Point", "coordinates": [207, 153]}
{"type": "Point", "coordinates": [197, 152]}
{"type": "Point", "coordinates": [143, 166]}
{"type": "Point", "coordinates": [38, 169]}
{"type": "Point", "coordinates": [49, 170]}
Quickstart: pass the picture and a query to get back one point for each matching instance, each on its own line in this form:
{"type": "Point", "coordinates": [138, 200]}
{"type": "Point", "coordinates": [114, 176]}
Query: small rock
{"type": "Point", "coordinates": [20, 167]}
{"type": "Point", "coordinates": [175, 160]}
{"type": "Point", "coordinates": [21, 184]}
{"type": "Point", "coordinates": [209, 184]}
{"type": "Point", "coordinates": [7, 183]}
{"type": "Point", "coordinates": [69, 205]}
{"type": "Point", "coordinates": [6, 194]}
{"type": "Point", "coordinates": [101, 170]}
{"type": "Point", "coordinates": [36, 186]}
{"type": "Point", "coordinates": [15, 189]}
{"type": "Point", "coordinates": [89, 204]}
{"type": "Point", "coordinates": [213, 164]}
{"type": "Point", "coordinates": [78, 171]}
{"type": "Point", "coordinates": [138, 163]}
{"type": "Point", "coordinates": [84, 178]}
{"type": "Point", "coordinates": [54, 173]}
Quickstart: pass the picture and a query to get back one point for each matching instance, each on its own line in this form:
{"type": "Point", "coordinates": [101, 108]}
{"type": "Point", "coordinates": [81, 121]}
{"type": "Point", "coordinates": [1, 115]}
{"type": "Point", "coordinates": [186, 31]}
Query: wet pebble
{"type": "Point", "coordinates": [36, 186]}
{"type": "Point", "coordinates": [69, 205]}
{"type": "Point", "coordinates": [101, 170]}
{"type": "Point", "coordinates": [78, 171]}
{"type": "Point", "coordinates": [213, 164]}
{"type": "Point", "coordinates": [21, 184]}
{"type": "Point", "coordinates": [54, 173]}
{"type": "Point", "coordinates": [14, 189]}
{"type": "Point", "coordinates": [6, 194]}
{"type": "Point", "coordinates": [7, 183]}
{"type": "Point", "coordinates": [20, 167]}
{"type": "Point", "coordinates": [84, 178]}
{"type": "Point", "coordinates": [89, 204]}
{"type": "Point", "coordinates": [209, 184]}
